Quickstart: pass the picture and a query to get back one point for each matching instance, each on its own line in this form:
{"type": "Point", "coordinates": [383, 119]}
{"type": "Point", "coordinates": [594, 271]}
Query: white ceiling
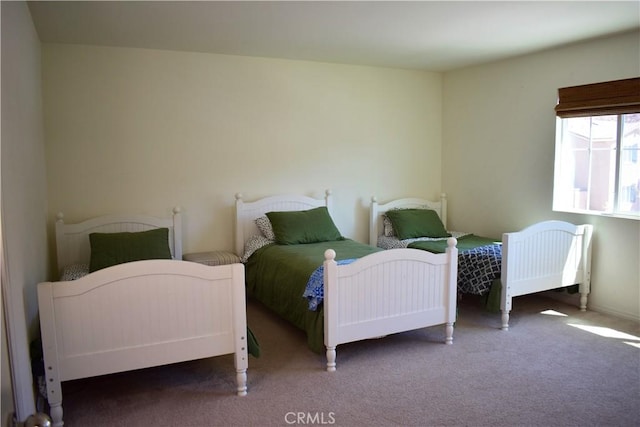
{"type": "Point", "coordinates": [428, 35]}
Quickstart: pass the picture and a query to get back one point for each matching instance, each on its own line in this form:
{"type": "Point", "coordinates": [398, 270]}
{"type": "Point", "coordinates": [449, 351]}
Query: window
{"type": "Point", "coordinates": [597, 167]}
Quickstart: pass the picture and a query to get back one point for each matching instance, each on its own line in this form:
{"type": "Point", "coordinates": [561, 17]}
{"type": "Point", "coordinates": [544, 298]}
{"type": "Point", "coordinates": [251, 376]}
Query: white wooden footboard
{"type": "Point", "coordinates": [544, 256]}
{"type": "Point", "coordinates": [138, 315]}
{"type": "Point", "coordinates": [388, 292]}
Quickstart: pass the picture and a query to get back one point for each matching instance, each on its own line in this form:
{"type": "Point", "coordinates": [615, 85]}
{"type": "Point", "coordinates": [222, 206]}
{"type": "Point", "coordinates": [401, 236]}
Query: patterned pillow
{"type": "Point", "coordinates": [253, 244]}
{"type": "Point", "coordinates": [73, 272]}
{"type": "Point", "coordinates": [388, 226]}
{"type": "Point", "coordinates": [264, 225]}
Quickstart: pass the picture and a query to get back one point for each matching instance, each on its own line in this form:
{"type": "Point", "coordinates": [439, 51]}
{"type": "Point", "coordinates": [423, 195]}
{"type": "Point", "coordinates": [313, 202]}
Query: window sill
{"type": "Point", "coordinates": [602, 214]}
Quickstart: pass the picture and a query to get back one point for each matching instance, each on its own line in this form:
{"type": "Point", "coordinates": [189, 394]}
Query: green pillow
{"type": "Point", "coordinates": [109, 249]}
{"type": "Point", "coordinates": [311, 226]}
{"type": "Point", "coordinates": [411, 223]}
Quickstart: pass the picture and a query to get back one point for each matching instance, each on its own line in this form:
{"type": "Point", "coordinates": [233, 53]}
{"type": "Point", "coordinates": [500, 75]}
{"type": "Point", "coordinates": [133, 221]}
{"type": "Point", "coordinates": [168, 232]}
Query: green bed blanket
{"type": "Point", "coordinates": [277, 275]}
{"type": "Point", "coordinates": [254, 347]}
{"type": "Point", "coordinates": [466, 242]}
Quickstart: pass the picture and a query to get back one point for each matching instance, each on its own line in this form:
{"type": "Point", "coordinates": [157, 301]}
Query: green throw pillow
{"type": "Point", "coordinates": [411, 223]}
{"type": "Point", "coordinates": [310, 226]}
{"type": "Point", "coordinates": [109, 249]}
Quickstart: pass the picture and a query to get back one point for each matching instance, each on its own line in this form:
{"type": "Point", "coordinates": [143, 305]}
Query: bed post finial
{"type": "Point", "coordinates": [452, 242]}
{"type": "Point", "coordinates": [177, 209]}
{"type": "Point", "coordinates": [329, 255]}
{"type": "Point", "coordinates": [238, 196]}
{"type": "Point", "coordinates": [327, 192]}
{"type": "Point", "coordinates": [374, 199]}
{"type": "Point", "coordinates": [60, 217]}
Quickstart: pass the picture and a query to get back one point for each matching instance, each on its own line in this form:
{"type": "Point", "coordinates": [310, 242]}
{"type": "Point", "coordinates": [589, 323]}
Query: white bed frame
{"type": "Point", "coordinates": [544, 256]}
{"type": "Point", "coordinates": [138, 314]}
{"type": "Point", "coordinates": [380, 294]}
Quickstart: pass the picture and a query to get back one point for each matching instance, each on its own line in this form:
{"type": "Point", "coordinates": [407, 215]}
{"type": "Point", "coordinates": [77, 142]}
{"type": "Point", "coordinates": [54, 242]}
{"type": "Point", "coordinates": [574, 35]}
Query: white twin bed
{"type": "Point", "coordinates": [543, 256]}
{"type": "Point", "coordinates": [380, 293]}
{"type": "Point", "coordinates": [137, 314]}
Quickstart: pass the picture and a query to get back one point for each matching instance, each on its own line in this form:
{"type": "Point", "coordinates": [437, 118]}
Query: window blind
{"type": "Point", "coordinates": [598, 99]}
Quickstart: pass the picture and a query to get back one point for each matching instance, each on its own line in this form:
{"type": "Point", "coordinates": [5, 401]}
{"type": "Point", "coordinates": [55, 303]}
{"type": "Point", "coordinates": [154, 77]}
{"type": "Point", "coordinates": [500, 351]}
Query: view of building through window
{"type": "Point", "coordinates": [597, 165]}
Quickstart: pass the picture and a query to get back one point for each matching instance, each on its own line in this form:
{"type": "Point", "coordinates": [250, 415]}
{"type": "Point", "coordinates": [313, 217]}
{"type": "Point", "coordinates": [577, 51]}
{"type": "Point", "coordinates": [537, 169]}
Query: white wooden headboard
{"type": "Point", "coordinates": [72, 240]}
{"type": "Point", "coordinates": [247, 212]}
{"type": "Point", "coordinates": [378, 210]}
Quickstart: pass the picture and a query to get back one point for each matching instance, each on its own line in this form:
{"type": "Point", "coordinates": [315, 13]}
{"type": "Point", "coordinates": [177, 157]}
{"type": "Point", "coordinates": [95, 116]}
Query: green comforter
{"type": "Point", "coordinates": [277, 275]}
{"type": "Point", "coordinates": [466, 242]}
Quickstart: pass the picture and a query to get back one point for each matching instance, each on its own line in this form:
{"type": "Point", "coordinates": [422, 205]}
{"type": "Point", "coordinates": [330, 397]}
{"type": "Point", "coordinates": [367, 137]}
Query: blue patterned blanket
{"type": "Point", "coordinates": [314, 291]}
{"type": "Point", "coordinates": [478, 268]}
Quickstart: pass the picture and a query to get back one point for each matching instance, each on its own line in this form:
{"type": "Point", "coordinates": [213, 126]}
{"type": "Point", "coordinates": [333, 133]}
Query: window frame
{"type": "Point", "coordinates": [616, 191]}
{"type": "Point", "coordinates": [613, 98]}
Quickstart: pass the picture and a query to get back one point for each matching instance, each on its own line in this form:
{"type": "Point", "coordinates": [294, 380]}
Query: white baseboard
{"type": "Point", "coordinates": [574, 299]}
{"type": "Point", "coordinates": [613, 312]}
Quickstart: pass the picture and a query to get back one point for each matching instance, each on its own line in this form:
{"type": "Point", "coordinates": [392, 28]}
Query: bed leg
{"type": "Point", "coordinates": [331, 359]}
{"type": "Point", "coordinates": [56, 414]}
{"type": "Point", "coordinates": [449, 333]}
{"type": "Point", "coordinates": [241, 379]}
{"type": "Point", "coordinates": [583, 302]}
{"type": "Point", "coordinates": [505, 320]}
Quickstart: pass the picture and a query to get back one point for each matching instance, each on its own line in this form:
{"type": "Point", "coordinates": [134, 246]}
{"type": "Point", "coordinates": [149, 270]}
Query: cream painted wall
{"type": "Point", "coordinates": [24, 199]}
{"type": "Point", "coordinates": [498, 154]}
{"type": "Point", "coordinates": [133, 130]}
